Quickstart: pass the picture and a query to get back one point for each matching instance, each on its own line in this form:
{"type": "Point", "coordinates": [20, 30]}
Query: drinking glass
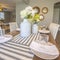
{"type": "Point", "coordinates": [44, 37]}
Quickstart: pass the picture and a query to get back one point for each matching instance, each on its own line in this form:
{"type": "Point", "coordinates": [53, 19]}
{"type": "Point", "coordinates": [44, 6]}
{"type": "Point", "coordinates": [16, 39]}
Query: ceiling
{"type": "Point", "coordinates": [9, 4]}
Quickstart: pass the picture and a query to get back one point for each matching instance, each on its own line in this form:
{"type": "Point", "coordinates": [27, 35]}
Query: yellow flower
{"type": "Point", "coordinates": [36, 18]}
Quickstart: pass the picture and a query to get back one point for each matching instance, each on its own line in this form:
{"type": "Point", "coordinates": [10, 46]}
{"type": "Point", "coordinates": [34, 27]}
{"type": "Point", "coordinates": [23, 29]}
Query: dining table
{"type": "Point", "coordinates": [21, 44]}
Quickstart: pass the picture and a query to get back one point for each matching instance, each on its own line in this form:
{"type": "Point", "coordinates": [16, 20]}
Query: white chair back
{"type": "Point", "coordinates": [2, 31]}
{"type": "Point", "coordinates": [53, 27]}
{"type": "Point", "coordinates": [13, 26]}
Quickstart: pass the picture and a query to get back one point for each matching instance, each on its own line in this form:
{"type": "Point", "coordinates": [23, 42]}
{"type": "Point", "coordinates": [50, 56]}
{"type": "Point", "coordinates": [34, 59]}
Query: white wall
{"type": "Point", "coordinates": [48, 18]}
{"type": "Point", "coordinates": [19, 7]}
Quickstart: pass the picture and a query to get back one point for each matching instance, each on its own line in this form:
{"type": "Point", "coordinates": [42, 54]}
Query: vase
{"type": "Point", "coordinates": [25, 28]}
{"type": "Point", "coordinates": [35, 28]}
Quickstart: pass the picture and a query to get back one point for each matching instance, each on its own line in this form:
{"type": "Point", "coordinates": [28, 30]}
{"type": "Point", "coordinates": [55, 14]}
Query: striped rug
{"type": "Point", "coordinates": [17, 48]}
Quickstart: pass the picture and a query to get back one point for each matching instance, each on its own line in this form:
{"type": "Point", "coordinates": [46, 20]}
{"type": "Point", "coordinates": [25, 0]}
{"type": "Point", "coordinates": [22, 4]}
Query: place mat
{"type": "Point", "coordinates": [44, 31]}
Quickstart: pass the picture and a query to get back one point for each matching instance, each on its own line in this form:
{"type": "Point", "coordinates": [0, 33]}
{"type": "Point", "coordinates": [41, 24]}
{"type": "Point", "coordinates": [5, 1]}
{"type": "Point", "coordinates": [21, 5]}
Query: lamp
{"type": "Point", "coordinates": [1, 9]}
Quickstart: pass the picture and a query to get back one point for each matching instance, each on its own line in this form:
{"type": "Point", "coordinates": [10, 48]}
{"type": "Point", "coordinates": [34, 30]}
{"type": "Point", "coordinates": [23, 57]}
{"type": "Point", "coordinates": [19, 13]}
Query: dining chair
{"type": "Point", "coordinates": [53, 27]}
{"type": "Point", "coordinates": [2, 31]}
{"type": "Point", "coordinates": [13, 26]}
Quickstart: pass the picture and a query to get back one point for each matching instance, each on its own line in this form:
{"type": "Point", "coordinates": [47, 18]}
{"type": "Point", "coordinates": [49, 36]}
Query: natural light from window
{"type": "Point", "coordinates": [1, 15]}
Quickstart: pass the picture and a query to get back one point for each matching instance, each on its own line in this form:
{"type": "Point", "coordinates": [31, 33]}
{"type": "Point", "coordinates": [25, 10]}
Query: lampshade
{"type": "Point", "coordinates": [0, 9]}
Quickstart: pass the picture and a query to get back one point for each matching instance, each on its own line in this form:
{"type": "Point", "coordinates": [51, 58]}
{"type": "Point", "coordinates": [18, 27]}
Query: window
{"type": "Point", "coordinates": [1, 15]}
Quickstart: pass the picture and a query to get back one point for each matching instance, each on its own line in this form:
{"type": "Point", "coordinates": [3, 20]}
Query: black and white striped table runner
{"type": "Point", "coordinates": [25, 41]}
{"type": "Point", "coordinates": [17, 48]}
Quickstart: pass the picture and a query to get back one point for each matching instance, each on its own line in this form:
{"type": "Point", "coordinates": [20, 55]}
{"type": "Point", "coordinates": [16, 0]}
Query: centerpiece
{"type": "Point", "coordinates": [29, 14]}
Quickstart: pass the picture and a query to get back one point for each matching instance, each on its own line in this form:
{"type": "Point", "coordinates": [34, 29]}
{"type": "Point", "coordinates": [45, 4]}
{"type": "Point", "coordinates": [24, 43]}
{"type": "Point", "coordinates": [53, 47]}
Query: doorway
{"type": "Point", "coordinates": [56, 15]}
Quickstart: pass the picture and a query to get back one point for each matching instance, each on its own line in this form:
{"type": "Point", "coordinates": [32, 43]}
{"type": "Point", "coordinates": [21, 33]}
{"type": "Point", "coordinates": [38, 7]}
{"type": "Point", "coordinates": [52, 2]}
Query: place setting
{"type": "Point", "coordinates": [4, 37]}
{"type": "Point", "coordinates": [43, 48]}
{"type": "Point", "coordinates": [44, 30]}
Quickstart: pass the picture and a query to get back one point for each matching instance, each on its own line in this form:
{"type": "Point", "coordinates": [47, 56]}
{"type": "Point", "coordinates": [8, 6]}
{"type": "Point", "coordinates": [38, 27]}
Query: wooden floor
{"type": "Point", "coordinates": [57, 41]}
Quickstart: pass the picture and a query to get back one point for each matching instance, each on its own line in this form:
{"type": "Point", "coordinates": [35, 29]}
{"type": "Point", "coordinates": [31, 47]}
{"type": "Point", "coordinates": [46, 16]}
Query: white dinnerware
{"type": "Point", "coordinates": [44, 50]}
{"type": "Point", "coordinates": [44, 31]}
{"type": "Point", "coordinates": [5, 38]}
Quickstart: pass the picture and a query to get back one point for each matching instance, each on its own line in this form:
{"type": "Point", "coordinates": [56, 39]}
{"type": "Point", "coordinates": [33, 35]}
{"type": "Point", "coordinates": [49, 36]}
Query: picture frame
{"type": "Point", "coordinates": [41, 17]}
{"type": "Point", "coordinates": [37, 9]}
{"type": "Point", "coordinates": [45, 10]}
